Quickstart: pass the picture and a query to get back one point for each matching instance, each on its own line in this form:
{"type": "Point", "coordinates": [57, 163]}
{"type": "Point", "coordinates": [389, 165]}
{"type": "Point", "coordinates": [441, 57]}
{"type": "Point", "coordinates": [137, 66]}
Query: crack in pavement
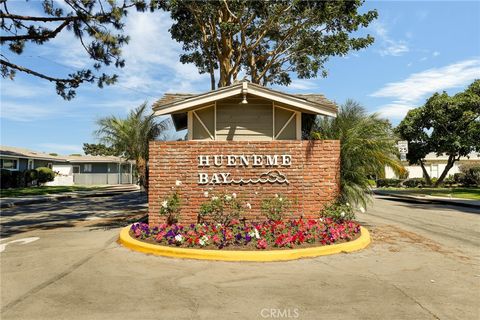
{"type": "Point", "coordinates": [414, 300]}
{"type": "Point", "coordinates": [57, 277]}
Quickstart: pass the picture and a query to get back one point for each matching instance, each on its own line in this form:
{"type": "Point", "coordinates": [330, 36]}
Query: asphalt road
{"type": "Point", "coordinates": [423, 264]}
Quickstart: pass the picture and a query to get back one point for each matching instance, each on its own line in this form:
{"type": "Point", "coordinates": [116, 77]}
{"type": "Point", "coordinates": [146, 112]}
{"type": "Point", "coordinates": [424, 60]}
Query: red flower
{"type": "Point", "coordinates": [262, 244]}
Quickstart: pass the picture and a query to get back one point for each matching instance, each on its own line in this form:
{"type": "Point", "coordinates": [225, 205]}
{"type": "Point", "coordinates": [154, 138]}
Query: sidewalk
{"type": "Point", "coordinates": [108, 191]}
{"type": "Point", "coordinates": [429, 199]}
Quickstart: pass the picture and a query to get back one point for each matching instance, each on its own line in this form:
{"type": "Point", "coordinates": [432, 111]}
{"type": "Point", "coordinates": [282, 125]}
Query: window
{"type": "Point", "coordinates": [30, 164]}
{"type": "Point", "coordinates": [10, 164]}
{"type": "Point", "coordinates": [87, 167]}
{"type": "Point", "coordinates": [76, 169]}
{"type": "Point", "coordinates": [49, 165]}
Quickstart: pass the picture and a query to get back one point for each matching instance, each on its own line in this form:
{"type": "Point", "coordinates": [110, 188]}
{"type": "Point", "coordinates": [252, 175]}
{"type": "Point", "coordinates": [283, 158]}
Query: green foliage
{"type": "Point", "coordinates": [5, 178]}
{"type": "Point", "coordinates": [130, 136]}
{"type": "Point", "coordinates": [386, 183]}
{"type": "Point", "coordinates": [98, 149]}
{"type": "Point", "coordinates": [222, 208]}
{"type": "Point", "coordinates": [414, 183]}
{"type": "Point", "coordinates": [275, 207]}
{"type": "Point", "coordinates": [449, 181]}
{"type": "Point", "coordinates": [367, 145]}
{"type": "Point", "coordinates": [44, 175]}
{"type": "Point", "coordinates": [267, 40]}
{"type": "Point", "coordinates": [53, 154]}
{"type": "Point", "coordinates": [471, 175]}
{"type": "Point", "coordinates": [170, 207]}
{"type": "Point", "coordinates": [339, 212]}
{"type": "Point", "coordinates": [96, 24]}
{"type": "Point", "coordinates": [444, 125]}
{"type": "Point", "coordinates": [30, 176]}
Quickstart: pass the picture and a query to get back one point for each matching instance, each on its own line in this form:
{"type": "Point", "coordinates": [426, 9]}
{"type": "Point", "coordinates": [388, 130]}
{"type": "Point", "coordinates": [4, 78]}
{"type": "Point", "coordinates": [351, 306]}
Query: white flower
{"type": "Point", "coordinates": [205, 194]}
{"type": "Point", "coordinates": [256, 192]}
{"type": "Point", "coordinates": [214, 198]}
{"type": "Point", "coordinates": [165, 204]}
{"type": "Point", "coordinates": [248, 205]}
{"type": "Point", "coordinates": [342, 214]}
{"type": "Point", "coordinates": [280, 199]}
{"type": "Point", "coordinates": [276, 195]}
{"type": "Point", "coordinates": [321, 219]}
{"type": "Point", "coordinates": [178, 183]}
{"type": "Point", "coordinates": [228, 198]}
{"type": "Point", "coordinates": [179, 238]}
{"type": "Point", "coordinates": [234, 195]}
{"type": "Point", "coordinates": [348, 204]}
{"type": "Point", "coordinates": [204, 239]}
{"type": "Point", "coordinates": [362, 209]}
{"type": "Point", "coordinates": [201, 242]}
{"type": "Point", "coordinates": [257, 235]}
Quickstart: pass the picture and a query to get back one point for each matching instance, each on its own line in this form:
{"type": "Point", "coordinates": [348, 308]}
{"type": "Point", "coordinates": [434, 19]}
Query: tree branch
{"type": "Point", "coordinates": [46, 35]}
{"type": "Point", "coordinates": [37, 74]}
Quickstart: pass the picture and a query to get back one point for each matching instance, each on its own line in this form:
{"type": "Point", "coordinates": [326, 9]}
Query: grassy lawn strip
{"type": "Point", "coordinates": [464, 193]}
{"type": "Point", "coordinates": [35, 191]}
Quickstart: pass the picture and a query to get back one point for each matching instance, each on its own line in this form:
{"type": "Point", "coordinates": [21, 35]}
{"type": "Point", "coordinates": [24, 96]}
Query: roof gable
{"type": "Point", "coordinates": [309, 103]}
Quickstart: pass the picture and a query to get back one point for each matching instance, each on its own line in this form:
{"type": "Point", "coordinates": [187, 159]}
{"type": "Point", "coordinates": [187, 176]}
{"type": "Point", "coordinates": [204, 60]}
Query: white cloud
{"type": "Point", "coordinates": [394, 110]}
{"type": "Point", "coordinates": [410, 92]}
{"type": "Point", "coordinates": [435, 53]}
{"type": "Point", "coordinates": [303, 84]}
{"type": "Point", "coordinates": [25, 112]}
{"type": "Point", "coordinates": [388, 46]}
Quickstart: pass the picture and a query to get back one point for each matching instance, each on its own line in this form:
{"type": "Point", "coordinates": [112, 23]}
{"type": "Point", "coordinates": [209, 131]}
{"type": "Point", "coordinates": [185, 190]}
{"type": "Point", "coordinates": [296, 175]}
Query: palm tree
{"type": "Point", "coordinates": [130, 136]}
{"type": "Point", "coordinates": [367, 145]}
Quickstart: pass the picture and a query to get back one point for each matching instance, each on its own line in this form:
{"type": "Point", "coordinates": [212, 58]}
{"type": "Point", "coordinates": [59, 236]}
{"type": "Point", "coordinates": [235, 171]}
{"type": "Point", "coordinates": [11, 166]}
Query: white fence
{"type": "Point", "coordinates": [102, 178]}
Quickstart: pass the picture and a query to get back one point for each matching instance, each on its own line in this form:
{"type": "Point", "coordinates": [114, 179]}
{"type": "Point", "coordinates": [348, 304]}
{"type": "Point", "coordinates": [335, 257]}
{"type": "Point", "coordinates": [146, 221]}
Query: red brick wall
{"type": "Point", "coordinates": [313, 175]}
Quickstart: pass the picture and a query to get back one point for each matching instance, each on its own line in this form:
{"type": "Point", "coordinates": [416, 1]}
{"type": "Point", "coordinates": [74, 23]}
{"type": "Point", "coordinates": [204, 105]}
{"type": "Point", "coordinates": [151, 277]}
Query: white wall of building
{"type": "Point", "coordinates": [434, 170]}
{"type": "Point", "coordinates": [63, 176]}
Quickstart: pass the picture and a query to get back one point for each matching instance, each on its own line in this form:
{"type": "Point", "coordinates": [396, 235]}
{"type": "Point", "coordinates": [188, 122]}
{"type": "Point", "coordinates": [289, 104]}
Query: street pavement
{"type": "Point", "coordinates": [423, 264]}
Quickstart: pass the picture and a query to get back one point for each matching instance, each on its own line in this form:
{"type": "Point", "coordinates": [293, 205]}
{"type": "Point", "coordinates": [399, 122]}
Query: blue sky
{"type": "Point", "coordinates": [420, 48]}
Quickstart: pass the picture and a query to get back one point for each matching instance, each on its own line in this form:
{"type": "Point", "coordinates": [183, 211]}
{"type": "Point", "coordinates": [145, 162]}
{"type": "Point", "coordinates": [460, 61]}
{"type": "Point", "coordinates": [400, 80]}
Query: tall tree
{"type": "Point", "coordinates": [367, 144]}
{"type": "Point", "coordinates": [130, 136]}
{"type": "Point", "coordinates": [266, 39]}
{"type": "Point", "coordinates": [97, 24]}
{"type": "Point", "coordinates": [447, 125]}
{"type": "Point", "coordinates": [99, 149]}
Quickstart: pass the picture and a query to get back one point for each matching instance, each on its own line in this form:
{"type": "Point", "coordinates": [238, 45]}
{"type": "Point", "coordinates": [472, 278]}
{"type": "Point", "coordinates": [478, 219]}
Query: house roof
{"type": "Point", "coordinates": [15, 152]}
{"type": "Point", "coordinates": [172, 103]}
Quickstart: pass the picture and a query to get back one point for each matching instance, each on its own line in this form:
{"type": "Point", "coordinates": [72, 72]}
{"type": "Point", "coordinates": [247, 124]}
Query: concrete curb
{"type": "Point", "coordinates": [429, 199]}
{"type": "Point", "coordinates": [254, 256]}
{"type": "Point", "coordinates": [59, 197]}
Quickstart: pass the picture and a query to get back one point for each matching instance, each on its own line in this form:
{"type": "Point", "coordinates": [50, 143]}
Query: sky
{"type": "Point", "coordinates": [421, 47]}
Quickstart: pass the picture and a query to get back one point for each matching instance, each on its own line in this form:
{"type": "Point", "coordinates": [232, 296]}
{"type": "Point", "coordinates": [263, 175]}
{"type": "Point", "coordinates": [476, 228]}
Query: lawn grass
{"type": "Point", "coordinates": [35, 191]}
{"type": "Point", "coordinates": [455, 192]}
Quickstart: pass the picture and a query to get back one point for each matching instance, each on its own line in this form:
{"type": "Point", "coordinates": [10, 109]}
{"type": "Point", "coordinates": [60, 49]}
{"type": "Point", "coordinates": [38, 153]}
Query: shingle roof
{"type": "Point", "coordinates": [26, 153]}
{"type": "Point", "coordinates": [172, 98]}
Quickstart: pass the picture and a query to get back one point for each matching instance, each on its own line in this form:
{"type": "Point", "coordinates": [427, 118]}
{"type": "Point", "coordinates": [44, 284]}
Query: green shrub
{"type": "Point", "coordinates": [458, 177]}
{"type": "Point", "coordinates": [44, 175]}
{"type": "Point", "coordinates": [5, 179]}
{"type": "Point", "coordinates": [384, 183]}
{"type": "Point", "coordinates": [221, 209]}
{"type": "Point", "coordinates": [414, 182]}
{"type": "Point", "coordinates": [30, 176]}
{"type": "Point", "coordinates": [471, 175]}
{"type": "Point", "coordinates": [339, 212]}
{"type": "Point", "coordinates": [274, 208]}
{"type": "Point", "coordinates": [449, 181]}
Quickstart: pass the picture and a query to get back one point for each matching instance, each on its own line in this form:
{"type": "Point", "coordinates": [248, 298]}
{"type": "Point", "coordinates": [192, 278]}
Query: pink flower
{"type": "Point", "coordinates": [262, 244]}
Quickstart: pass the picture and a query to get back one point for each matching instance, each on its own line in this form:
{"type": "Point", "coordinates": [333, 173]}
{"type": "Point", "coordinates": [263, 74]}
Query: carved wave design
{"type": "Point", "coordinates": [273, 176]}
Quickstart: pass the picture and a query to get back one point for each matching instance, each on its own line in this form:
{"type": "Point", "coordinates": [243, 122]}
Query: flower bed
{"type": "Point", "coordinates": [240, 235]}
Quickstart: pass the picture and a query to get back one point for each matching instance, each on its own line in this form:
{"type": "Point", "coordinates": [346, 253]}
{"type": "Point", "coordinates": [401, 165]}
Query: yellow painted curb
{"type": "Point", "coordinates": [231, 255]}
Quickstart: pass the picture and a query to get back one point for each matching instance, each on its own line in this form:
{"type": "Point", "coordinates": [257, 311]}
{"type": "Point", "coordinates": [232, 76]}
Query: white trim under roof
{"type": "Point", "coordinates": [245, 87]}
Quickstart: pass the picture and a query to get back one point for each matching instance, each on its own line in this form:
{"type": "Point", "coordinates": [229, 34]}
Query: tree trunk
{"type": "Point", "coordinates": [142, 173]}
{"type": "Point", "coordinates": [450, 162]}
{"type": "Point", "coordinates": [425, 174]}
